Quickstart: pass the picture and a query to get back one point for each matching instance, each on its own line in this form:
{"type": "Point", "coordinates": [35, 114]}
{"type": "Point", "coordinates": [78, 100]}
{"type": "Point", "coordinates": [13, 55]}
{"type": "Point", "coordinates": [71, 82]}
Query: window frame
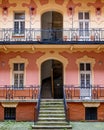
{"type": "Point", "coordinates": [89, 112]}
{"type": "Point", "coordinates": [19, 21]}
{"type": "Point", "coordinates": [84, 31]}
{"type": "Point", "coordinates": [10, 113]}
{"type": "Point", "coordinates": [85, 73]}
{"type": "Point", "coordinates": [18, 72]}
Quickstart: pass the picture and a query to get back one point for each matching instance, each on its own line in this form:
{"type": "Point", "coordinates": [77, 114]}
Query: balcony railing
{"type": "Point", "coordinates": [75, 92]}
{"type": "Point", "coordinates": [25, 93]}
{"type": "Point", "coordinates": [52, 36]}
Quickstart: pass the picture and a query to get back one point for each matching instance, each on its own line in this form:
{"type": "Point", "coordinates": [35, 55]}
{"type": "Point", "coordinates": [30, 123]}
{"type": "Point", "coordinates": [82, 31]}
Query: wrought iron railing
{"type": "Point", "coordinates": [8, 92]}
{"type": "Point", "coordinates": [37, 107]}
{"type": "Point", "coordinates": [66, 108]}
{"type": "Point", "coordinates": [75, 92]}
{"type": "Point", "coordinates": [55, 35]}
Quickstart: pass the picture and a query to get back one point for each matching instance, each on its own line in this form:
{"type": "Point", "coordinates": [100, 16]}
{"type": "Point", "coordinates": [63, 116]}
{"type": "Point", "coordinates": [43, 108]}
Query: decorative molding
{"type": "Point", "coordinates": [60, 2]}
{"type": "Point", "coordinates": [91, 104]}
{"type": "Point", "coordinates": [71, 7]}
{"type": "Point", "coordinates": [17, 59]}
{"type": "Point", "coordinates": [31, 6]}
{"type": "Point", "coordinates": [49, 56]}
{"type": "Point", "coordinates": [9, 104]}
{"type": "Point", "coordinates": [98, 6]}
{"type": "Point", "coordinates": [86, 59]}
{"type": "Point", "coordinates": [43, 2]}
{"type": "Point", "coordinates": [5, 5]}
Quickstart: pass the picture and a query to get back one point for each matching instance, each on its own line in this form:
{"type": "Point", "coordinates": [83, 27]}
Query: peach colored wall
{"type": "Point", "coordinates": [41, 7]}
{"type": "Point", "coordinates": [70, 71]}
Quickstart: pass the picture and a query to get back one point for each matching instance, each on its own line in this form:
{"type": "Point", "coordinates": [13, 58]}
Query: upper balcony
{"type": "Point", "coordinates": [52, 36]}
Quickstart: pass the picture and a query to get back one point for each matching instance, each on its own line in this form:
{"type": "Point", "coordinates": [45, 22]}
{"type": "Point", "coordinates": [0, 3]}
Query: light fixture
{"type": "Point", "coordinates": [100, 62]}
{"type": "Point", "coordinates": [70, 10]}
{"type": "Point", "coordinates": [5, 9]}
{"type": "Point", "coordinates": [32, 10]}
{"type": "Point", "coordinates": [2, 63]}
{"type": "Point", "coordinates": [98, 10]}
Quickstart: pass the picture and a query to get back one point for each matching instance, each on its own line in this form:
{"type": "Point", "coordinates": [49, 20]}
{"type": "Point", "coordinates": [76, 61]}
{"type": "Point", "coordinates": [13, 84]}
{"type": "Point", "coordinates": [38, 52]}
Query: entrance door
{"type": "Point", "coordinates": [85, 80]}
{"type": "Point", "coordinates": [52, 25]}
{"type": "Point", "coordinates": [52, 79]}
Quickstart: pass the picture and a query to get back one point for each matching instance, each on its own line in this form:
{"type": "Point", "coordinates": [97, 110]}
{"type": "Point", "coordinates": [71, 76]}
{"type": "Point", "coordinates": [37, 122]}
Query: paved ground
{"type": "Point", "coordinates": [8, 125]}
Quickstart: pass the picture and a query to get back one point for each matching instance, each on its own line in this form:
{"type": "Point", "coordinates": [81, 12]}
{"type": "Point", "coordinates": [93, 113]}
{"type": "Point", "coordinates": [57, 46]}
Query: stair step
{"type": "Point", "coordinates": [54, 108]}
{"type": "Point", "coordinates": [52, 105]}
{"type": "Point", "coordinates": [52, 127]}
{"type": "Point", "coordinates": [52, 114]}
{"type": "Point", "coordinates": [51, 118]}
{"type": "Point", "coordinates": [52, 123]}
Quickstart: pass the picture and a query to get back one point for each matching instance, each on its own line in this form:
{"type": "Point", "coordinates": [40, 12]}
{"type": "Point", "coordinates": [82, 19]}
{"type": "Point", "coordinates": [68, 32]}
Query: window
{"type": "Point", "coordinates": [9, 113]}
{"type": "Point", "coordinates": [18, 75]}
{"type": "Point", "coordinates": [85, 75]}
{"type": "Point", "coordinates": [83, 24]}
{"type": "Point", "coordinates": [91, 113]}
{"type": "Point", "coordinates": [19, 23]}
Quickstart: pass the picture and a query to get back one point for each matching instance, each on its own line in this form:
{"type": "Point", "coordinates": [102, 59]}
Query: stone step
{"type": "Point", "coordinates": [51, 112]}
{"type": "Point", "coordinates": [53, 108]}
{"type": "Point", "coordinates": [52, 100]}
{"type": "Point", "coordinates": [56, 127]}
{"type": "Point", "coordinates": [51, 119]}
{"type": "Point", "coordinates": [51, 105]}
{"type": "Point", "coordinates": [52, 115]}
{"type": "Point", "coordinates": [52, 123]}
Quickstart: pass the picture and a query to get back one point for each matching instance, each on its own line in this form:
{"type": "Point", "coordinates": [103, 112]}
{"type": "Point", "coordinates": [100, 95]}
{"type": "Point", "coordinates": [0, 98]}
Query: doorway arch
{"type": "Point", "coordinates": [51, 25]}
{"type": "Point", "coordinates": [52, 79]}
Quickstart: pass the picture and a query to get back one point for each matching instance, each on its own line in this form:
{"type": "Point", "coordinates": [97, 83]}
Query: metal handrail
{"type": "Point", "coordinates": [66, 108]}
{"type": "Point", "coordinates": [37, 107]}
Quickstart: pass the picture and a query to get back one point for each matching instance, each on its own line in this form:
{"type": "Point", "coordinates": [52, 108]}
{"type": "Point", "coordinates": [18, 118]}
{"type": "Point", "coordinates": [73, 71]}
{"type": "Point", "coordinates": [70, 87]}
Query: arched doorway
{"type": "Point", "coordinates": [51, 25]}
{"type": "Point", "coordinates": [52, 79]}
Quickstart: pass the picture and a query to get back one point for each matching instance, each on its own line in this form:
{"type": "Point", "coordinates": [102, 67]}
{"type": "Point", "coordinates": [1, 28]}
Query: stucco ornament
{"type": "Point", "coordinates": [31, 6]}
{"type": "Point", "coordinates": [71, 7]}
{"type": "Point", "coordinates": [60, 2]}
{"type": "Point", "coordinates": [43, 2]}
{"type": "Point", "coordinates": [5, 5]}
{"type": "Point", "coordinates": [98, 6]}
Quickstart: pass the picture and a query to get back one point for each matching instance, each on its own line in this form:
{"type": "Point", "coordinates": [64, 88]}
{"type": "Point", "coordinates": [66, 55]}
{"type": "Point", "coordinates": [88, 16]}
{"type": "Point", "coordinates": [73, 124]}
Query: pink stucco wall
{"type": "Point", "coordinates": [32, 70]}
{"type": "Point", "coordinates": [32, 73]}
{"type": "Point", "coordinates": [71, 74]}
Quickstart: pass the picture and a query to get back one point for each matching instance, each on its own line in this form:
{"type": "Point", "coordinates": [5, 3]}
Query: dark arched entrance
{"type": "Point", "coordinates": [52, 79]}
{"type": "Point", "coordinates": [52, 25]}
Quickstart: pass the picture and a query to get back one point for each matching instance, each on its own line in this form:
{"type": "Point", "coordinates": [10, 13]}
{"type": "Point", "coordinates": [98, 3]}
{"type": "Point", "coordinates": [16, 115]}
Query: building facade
{"type": "Point", "coordinates": [55, 46]}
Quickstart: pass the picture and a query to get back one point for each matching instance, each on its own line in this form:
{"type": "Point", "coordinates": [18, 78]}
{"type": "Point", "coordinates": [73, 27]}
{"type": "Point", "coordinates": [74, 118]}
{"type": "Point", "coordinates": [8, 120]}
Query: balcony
{"type": "Point", "coordinates": [25, 94]}
{"type": "Point", "coordinates": [65, 36]}
{"type": "Point", "coordinates": [91, 93]}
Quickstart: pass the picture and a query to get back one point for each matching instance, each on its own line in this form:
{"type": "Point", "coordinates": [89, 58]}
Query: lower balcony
{"type": "Point", "coordinates": [91, 93]}
{"type": "Point", "coordinates": [52, 36]}
{"type": "Point", "coordinates": [25, 94]}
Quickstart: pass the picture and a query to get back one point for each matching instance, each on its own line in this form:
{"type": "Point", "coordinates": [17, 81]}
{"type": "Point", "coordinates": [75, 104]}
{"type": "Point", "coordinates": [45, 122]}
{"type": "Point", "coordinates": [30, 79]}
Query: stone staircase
{"type": "Point", "coordinates": [51, 116]}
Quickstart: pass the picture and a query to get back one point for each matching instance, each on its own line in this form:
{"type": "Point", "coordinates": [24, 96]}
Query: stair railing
{"type": "Point", "coordinates": [66, 108]}
{"type": "Point", "coordinates": [37, 107]}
